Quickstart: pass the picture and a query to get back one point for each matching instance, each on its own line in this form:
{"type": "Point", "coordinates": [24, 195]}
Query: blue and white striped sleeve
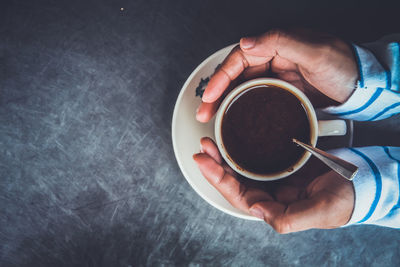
{"type": "Point", "coordinates": [376, 185]}
{"type": "Point", "coordinates": [377, 93]}
{"type": "Point", "coordinates": [376, 97]}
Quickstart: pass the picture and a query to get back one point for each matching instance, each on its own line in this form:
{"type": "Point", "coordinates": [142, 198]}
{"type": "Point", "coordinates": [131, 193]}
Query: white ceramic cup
{"type": "Point", "coordinates": [317, 128]}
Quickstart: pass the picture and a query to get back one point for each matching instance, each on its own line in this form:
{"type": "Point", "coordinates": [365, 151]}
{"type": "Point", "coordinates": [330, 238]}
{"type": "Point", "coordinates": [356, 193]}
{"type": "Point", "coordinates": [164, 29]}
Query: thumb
{"type": "Point", "coordinates": [299, 49]}
{"type": "Point", "coordinates": [297, 216]}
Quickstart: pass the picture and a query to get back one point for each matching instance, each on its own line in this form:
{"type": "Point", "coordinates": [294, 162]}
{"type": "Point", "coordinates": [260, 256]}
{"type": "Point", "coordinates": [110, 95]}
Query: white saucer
{"type": "Point", "coordinates": [187, 131]}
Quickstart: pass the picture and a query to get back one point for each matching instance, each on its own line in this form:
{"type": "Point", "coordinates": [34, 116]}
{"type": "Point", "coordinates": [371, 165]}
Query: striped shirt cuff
{"type": "Point", "coordinates": [372, 99]}
{"type": "Point", "coordinates": [376, 185]}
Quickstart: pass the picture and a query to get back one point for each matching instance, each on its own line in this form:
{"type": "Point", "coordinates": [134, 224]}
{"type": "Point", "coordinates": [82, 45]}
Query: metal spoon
{"type": "Point", "coordinates": [342, 167]}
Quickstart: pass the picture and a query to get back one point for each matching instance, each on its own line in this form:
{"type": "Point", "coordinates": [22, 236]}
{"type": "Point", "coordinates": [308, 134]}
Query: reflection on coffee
{"type": "Point", "coordinates": [258, 126]}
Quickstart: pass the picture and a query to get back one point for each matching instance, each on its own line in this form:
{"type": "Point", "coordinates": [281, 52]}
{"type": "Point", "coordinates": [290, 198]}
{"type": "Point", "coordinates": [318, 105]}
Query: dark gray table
{"type": "Point", "coordinates": [87, 171]}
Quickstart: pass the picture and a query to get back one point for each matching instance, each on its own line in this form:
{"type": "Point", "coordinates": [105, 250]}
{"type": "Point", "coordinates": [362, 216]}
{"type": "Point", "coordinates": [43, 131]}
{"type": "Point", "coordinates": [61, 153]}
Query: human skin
{"type": "Point", "coordinates": [324, 68]}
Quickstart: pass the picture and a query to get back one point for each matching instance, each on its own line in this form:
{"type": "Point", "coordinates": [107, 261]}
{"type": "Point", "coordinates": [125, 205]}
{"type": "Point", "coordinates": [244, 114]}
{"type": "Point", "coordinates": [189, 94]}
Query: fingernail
{"type": "Point", "coordinates": [198, 117]}
{"type": "Point", "coordinates": [247, 42]}
{"type": "Point", "coordinates": [201, 149]}
{"type": "Point", "coordinates": [206, 98]}
{"type": "Point", "coordinates": [257, 213]}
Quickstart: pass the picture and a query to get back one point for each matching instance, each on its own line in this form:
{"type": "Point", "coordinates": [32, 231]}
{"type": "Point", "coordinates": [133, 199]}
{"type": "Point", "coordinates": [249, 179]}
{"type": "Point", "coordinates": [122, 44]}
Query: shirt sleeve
{"type": "Point", "coordinates": [376, 97]}
{"type": "Point", "coordinates": [376, 185]}
{"type": "Point", "coordinates": [377, 93]}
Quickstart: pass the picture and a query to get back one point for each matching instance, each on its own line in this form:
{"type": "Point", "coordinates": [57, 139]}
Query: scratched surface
{"type": "Point", "coordinates": [87, 171]}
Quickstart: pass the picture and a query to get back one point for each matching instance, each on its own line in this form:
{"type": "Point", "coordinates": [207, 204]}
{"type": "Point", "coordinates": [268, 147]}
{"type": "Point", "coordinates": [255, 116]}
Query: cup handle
{"type": "Point", "coordinates": [331, 127]}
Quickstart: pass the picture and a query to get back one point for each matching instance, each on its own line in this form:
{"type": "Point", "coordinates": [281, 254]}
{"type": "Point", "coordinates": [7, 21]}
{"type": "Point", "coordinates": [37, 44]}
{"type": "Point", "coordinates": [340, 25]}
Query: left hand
{"type": "Point", "coordinates": [322, 66]}
{"type": "Point", "coordinates": [302, 201]}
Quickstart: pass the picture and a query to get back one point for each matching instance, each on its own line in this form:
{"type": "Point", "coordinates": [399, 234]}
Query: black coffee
{"type": "Point", "coordinates": [258, 127]}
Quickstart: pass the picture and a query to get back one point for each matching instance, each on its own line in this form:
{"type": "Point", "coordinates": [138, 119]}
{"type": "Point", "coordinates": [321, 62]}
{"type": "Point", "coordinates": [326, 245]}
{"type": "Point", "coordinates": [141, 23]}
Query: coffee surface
{"type": "Point", "coordinates": [258, 127]}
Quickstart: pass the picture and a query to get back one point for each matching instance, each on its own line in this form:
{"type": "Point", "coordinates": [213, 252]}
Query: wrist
{"type": "Point", "coordinates": [352, 72]}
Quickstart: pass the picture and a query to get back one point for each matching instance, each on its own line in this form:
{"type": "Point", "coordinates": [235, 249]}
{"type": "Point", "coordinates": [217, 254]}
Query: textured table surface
{"type": "Point", "coordinates": [87, 171]}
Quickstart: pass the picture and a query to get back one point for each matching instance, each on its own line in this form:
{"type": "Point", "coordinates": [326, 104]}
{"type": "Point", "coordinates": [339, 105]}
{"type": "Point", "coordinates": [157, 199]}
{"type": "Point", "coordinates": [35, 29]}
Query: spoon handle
{"type": "Point", "coordinates": [342, 167]}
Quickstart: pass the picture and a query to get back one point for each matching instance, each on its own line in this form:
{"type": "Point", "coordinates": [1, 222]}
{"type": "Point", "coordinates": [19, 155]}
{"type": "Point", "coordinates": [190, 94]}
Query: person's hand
{"type": "Point", "coordinates": [323, 67]}
{"type": "Point", "coordinates": [302, 202]}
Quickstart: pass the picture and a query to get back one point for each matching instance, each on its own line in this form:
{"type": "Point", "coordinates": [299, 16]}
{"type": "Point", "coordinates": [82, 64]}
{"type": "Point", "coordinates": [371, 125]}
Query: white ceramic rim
{"type": "Point", "coordinates": [257, 82]}
{"type": "Point", "coordinates": [174, 141]}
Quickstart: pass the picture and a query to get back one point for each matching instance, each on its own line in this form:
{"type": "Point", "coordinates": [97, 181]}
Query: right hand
{"type": "Point", "coordinates": [311, 198]}
{"type": "Point", "coordinates": [322, 66]}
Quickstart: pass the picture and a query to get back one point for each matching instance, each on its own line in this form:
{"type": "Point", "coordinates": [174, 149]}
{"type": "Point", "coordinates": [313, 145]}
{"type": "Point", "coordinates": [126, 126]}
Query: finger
{"type": "Point", "coordinates": [209, 147]}
{"type": "Point", "coordinates": [236, 193]}
{"type": "Point", "coordinates": [297, 216]}
{"type": "Point", "coordinates": [280, 64]}
{"type": "Point", "coordinates": [287, 45]}
{"type": "Point", "coordinates": [206, 111]}
{"type": "Point", "coordinates": [289, 76]}
{"type": "Point", "coordinates": [233, 65]}
{"type": "Point", "coordinates": [230, 188]}
{"type": "Point", "coordinates": [210, 169]}
{"type": "Point", "coordinates": [256, 71]}
{"type": "Point", "coordinates": [229, 170]}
